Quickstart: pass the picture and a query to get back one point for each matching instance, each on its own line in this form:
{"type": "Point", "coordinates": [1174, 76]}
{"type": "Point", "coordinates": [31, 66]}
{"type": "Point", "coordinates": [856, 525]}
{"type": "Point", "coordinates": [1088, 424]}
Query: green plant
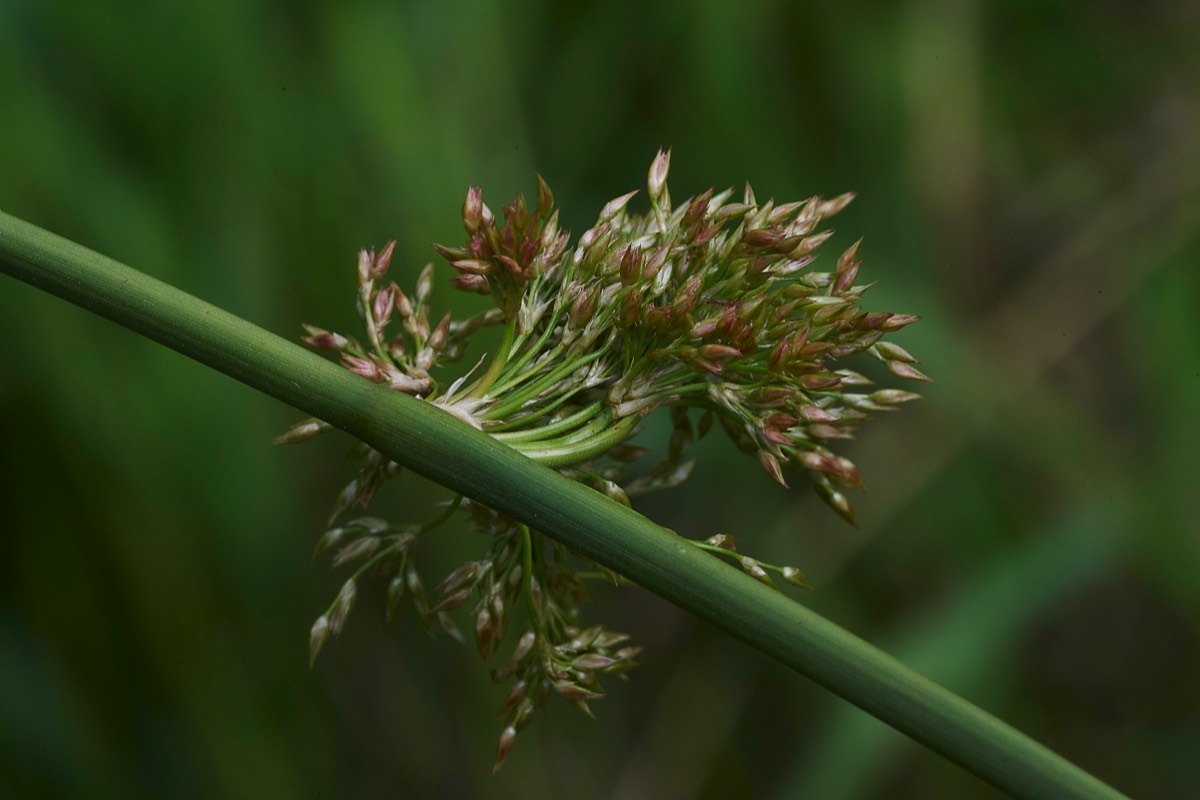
{"type": "Point", "coordinates": [438, 445]}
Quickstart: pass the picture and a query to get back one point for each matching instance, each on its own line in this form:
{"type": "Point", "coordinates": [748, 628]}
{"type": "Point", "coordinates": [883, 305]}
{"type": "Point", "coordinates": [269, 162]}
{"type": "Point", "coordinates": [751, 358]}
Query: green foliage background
{"type": "Point", "coordinates": [1029, 179]}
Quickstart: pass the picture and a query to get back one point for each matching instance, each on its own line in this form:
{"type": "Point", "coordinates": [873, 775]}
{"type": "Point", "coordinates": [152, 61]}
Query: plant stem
{"type": "Point", "coordinates": [447, 451]}
{"type": "Point", "coordinates": [527, 578]}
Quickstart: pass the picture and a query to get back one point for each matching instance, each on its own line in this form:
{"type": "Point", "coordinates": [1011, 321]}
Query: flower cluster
{"type": "Point", "coordinates": [708, 307]}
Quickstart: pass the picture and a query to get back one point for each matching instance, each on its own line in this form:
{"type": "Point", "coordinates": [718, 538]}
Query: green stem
{"type": "Point", "coordinates": [553, 429]}
{"type": "Point", "coordinates": [442, 448]}
{"type": "Point", "coordinates": [514, 400]}
{"type": "Point", "coordinates": [535, 617]}
{"type": "Point", "coordinates": [480, 387]}
{"type": "Point", "coordinates": [574, 451]}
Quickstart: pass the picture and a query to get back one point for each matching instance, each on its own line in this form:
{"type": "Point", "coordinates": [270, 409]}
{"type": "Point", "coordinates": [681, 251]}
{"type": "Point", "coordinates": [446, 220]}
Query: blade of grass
{"type": "Point", "coordinates": [451, 453]}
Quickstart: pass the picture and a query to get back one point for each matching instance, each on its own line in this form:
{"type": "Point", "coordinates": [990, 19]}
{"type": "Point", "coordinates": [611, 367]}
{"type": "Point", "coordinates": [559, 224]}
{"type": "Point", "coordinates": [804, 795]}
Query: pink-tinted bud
{"type": "Point", "coordinates": [631, 265]}
{"type": "Point", "coordinates": [382, 261]}
{"type": "Point", "coordinates": [906, 370]}
{"type": "Point", "coordinates": [424, 284]}
{"type": "Point", "coordinates": [657, 179]}
{"type": "Point", "coordinates": [515, 695]}
{"type": "Point", "coordinates": [517, 213]}
{"type": "Point", "coordinates": [364, 267]}
{"type": "Point", "coordinates": [473, 209]}
{"type": "Point", "coordinates": [583, 307]}
{"type": "Point", "coordinates": [362, 366]}
{"type": "Point", "coordinates": [302, 431]}
{"type": "Point", "coordinates": [891, 397]}
{"type": "Point", "coordinates": [781, 421]}
{"type": "Point", "coordinates": [719, 352]}
{"type": "Point", "coordinates": [615, 206]}
{"type": "Point", "coordinates": [823, 432]}
{"type": "Point", "coordinates": [845, 278]}
{"type": "Point", "coordinates": [545, 198]}
{"type": "Point", "coordinates": [809, 244]}
{"type": "Point", "coordinates": [316, 638]}
{"type": "Point", "coordinates": [470, 283]}
{"type": "Point", "coordinates": [847, 471]}
{"type": "Point", "coordinates": [592, 234]}
{"type": "Point", "coordinates": [631, 308]}
{"type": "Point", "coordinates": [524, 645]}
{"type": "Point", "coordinates": [817, 462]}
{"type": "Point", "coordinates": [777, 436]}
{"type": "Point", "coordinates": [382, 308]}
{"type": "Point", "coordinates": [819, 382]}
{"type": "Point", "coordinates": [437, 340]}
{"type": "Point", "coordinates": [890, 351]}
{"type": "Point", "coordinates": [342, 606]}
{"type": "Point", "coordinates": [512, 265]}
{"type": "Point", "coordinates": [473, 266]}
{"type": "Point", "coordinates": [696, 209]}
{"type": "Point", "coordinates": [815, 414]}
{"type": "Point", "coordinates": [780, 354]}
{"type": "Point", "coordinates": [452, 253]}
{"type": "Point", "coordinates": [898, 321]}
{"type": "Point", "coordinates": [723, 541]}
{"type": "Point", "coordinates": [404, 306]}
{"type": "Point", "coordinates": [323, 339]}
{"type": "Point", "coordinates": [528, 249]}
{"type": "Point", "coordinates": [594, 661]}
{"type": "Point", "coordinates": [836, 500]}
{"type": "Point", "coordinates": [706, 235]}
{"type": "Point", "coordinates": [549, 234]}
{"type": "Point", "coordinates": [830, 207]}
{"type": "Point", "coordinates": [814, 349]}
{"type": "Point", "coordinates": [763, 237]}
{"type": "Point", "coordinates": [508, 737]}
{"type": "Point", "coordinates": [847, 258]}
{"type": "Point", "coordinates": [650, 270]}
{"type": "Point", "coordinates": [755, 570]}
{"type": "Point", "coordinates": [771, 464]}
{"type": "Point", "coordinates": [689, 296]}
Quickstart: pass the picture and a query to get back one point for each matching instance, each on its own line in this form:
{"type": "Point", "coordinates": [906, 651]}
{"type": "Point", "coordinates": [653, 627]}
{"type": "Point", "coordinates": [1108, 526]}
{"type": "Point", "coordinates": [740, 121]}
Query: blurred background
{"type": "Point", "coordinates": [1029, 183]}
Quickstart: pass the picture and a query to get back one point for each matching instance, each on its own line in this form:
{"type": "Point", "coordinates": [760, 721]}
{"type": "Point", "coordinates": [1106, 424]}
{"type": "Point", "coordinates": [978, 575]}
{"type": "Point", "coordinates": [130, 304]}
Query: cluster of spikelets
{"type": "Point", "coordinates": [708, 307]}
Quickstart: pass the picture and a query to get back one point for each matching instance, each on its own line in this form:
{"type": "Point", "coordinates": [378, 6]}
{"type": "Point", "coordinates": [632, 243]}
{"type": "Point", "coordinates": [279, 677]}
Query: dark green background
{"type": "Point", "coordinates": [1029, 179]}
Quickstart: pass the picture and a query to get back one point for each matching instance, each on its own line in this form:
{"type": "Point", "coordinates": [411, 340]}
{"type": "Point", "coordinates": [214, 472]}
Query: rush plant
{"type": "Point", "coordinates": [712, 308]}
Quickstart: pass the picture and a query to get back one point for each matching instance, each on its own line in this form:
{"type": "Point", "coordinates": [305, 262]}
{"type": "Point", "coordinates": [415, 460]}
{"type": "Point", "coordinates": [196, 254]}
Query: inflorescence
{"type": "Point", "coordinates": [707, 308]}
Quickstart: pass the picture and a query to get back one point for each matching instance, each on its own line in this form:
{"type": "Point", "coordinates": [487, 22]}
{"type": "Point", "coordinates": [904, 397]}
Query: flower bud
{"type": "Point", "coordinates": [545, 198]}
{"type": "Point", "coordinates": [342, 606]}
{"type": "Point", "coordinates": [302, 431]}
{"type": "Point", "coordinates": [381, 262]}
{"type": "Point", "coordinates": [657, 179]}
{"type": "Point", "coordinates": [316, 638]}
{"type": "Point", "coordinates": [364, 267]}
{"type": "Point", "coordinates": [615, 206]}
{"type": "Point", "coordinates": [381, 309]}
{"type": "Point", "coordinates": [473, 209]}
{"type": "Point", "coordinates": [424, 284]}
{"type": "Point", "coordinates": [906, 370]}
{"type": "Point", "coordinates": [508, 737]}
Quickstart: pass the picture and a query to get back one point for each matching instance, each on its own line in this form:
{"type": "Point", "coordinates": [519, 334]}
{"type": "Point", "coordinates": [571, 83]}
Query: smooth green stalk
{"type": "Point", "coordinates": [552, 429]}
{"type": "Point", "coordinates": [447, 451]}
{"type": "Point", "coordinates": [527, 581]}
{"type": "Point", "coordinates": [480, 388]}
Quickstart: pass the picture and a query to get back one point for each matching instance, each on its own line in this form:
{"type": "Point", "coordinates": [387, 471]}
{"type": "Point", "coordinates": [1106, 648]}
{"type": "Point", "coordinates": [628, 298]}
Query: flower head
{"type": "Point", "coordinates": [712, 308]}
